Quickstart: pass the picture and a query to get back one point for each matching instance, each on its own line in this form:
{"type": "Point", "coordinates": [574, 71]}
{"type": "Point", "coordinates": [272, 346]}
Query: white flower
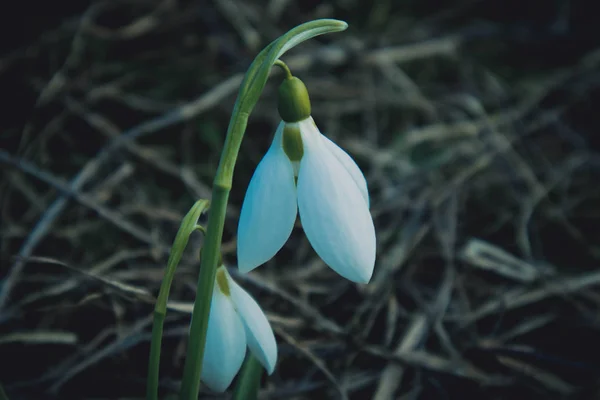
{"type": "Point", "coordinates": [330, 194]}
{"type": "Point", "coordinates": [235, 321]}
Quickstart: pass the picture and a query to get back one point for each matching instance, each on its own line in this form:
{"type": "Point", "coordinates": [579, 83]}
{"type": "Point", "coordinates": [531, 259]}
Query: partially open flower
{"type": "Point", "coordinates": [236, 321]}
{"type": "Point", "coordinates": [304, 170]}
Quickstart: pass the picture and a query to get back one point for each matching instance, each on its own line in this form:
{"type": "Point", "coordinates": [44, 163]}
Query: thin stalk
{"type": "Point", "coordinates": [248, 382]}
{"type": "Point", "coordinates": [154, 361]}
{"type": "Point", "coordinates": [285, 68]}
{"type": "Point", "coordinates": [211, 251]}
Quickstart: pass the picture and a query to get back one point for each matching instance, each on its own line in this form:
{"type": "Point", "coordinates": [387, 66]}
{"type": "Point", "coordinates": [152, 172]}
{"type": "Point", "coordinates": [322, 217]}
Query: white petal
{"type": "Point", "coordinates": [259, 333]}
{"type": "Point", "coordinates": [269, 209]}
{"type": "Point", "coordinates": [351, 167]}
{"type": "Point", "coordinates": [333, 212]}
{"type": "Point", "coordinates": [225, 343]}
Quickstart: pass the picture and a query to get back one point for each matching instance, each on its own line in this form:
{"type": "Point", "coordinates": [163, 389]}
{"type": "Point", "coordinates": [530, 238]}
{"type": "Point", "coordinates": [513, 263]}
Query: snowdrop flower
{"type": "Point", "coordinates": [235, 321]}
{"type": "Point", "coordinates": [305, 171]}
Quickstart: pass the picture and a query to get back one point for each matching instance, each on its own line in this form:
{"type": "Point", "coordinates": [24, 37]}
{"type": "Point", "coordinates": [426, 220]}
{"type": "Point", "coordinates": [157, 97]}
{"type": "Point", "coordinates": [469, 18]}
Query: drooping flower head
{"type": "Point", "coordinates": [235, 322]}
{"type": "Point", "coordinates": [305, 171]}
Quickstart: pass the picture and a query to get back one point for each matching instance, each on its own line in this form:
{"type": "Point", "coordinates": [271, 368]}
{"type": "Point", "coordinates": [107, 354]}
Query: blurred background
{"type": "Point", "coordinates": [476, 124]}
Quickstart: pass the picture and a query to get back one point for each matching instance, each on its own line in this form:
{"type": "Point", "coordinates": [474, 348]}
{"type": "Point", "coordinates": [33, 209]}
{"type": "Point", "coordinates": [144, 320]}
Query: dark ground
{"type": "Point", "coordinates": [476, 123]}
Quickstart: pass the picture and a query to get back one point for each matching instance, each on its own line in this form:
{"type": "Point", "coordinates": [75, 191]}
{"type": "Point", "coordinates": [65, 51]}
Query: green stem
{"type": "Point", "coordinates": [188, 225]}
{"type": "Point", "coordinates": [211, 251]}
{"type": "Point", "coordinates": [249, 380]}
{"type": "Point", "coordinates": [250, 91]}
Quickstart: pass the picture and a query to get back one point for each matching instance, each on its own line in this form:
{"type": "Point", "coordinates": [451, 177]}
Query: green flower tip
{"type": "Point", "coordinates": [293, 101]}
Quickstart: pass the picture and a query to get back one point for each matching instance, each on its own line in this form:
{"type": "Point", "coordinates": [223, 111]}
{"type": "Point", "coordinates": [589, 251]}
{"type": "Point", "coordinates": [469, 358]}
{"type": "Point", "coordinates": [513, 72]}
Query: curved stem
{"type": "Point", "coordinates": [285, 68]}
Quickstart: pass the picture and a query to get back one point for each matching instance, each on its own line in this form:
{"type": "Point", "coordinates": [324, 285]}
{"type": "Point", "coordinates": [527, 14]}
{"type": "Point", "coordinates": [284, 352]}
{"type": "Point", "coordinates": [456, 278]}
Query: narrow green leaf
{"type": "Point", "coordinates": [188, 225]}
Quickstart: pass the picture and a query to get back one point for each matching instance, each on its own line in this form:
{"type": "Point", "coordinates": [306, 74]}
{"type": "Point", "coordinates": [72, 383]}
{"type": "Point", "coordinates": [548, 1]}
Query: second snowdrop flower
{"type": "Point", "coordinates": [235, 321]}
{"type": "Point", "coordinates": [305, 171]}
